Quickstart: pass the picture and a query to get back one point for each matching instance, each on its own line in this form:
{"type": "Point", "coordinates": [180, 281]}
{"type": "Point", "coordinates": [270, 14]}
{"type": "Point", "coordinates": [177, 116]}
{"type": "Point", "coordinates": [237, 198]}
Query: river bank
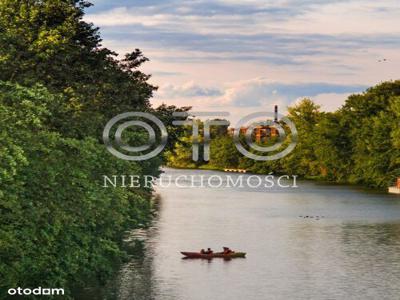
{"type": "Point", "coordinates": [316, 179]}
{"type": "Point", "coordinates": [352, 251]}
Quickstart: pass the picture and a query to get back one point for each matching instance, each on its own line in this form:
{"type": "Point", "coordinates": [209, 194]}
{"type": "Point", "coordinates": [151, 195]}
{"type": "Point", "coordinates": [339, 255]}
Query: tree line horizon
{"type": "Point", "coordinates": [359, 143]}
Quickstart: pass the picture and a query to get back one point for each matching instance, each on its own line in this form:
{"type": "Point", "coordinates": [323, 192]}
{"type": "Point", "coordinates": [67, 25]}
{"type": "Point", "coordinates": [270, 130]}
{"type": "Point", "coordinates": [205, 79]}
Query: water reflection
{"type": "Point", "coordinates": [135, 279]}
{"type": "Point", "coordinates": [351, 253]}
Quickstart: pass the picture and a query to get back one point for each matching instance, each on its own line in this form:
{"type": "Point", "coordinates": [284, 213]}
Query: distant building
{"type": "Point", "coordinates": [260, 133]}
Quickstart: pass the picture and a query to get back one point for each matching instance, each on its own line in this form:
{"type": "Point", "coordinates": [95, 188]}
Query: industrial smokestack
{"type": "Point", "coordinates": [276, 114]}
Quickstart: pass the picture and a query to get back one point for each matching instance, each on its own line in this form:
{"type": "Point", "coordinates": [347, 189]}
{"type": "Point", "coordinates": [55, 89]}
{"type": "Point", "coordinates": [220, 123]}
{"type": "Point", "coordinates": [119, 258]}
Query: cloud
{"type": "Point", "coordinates": [187, 90]}
{"type": "Point", "coordinates": [166, 73]}
{"type": "Point", "coordinates": [256, 17]}
{"type": "Point", "coordinates": [274, 48]}
{"type": "Point", "coordinates": [256, 95]}
{"type": "Point", "coordinates": [273, 32]}
{"type": "Point", "coordinates": [330, 101]}
{"type": "Point", "coordinates": [260, 92]}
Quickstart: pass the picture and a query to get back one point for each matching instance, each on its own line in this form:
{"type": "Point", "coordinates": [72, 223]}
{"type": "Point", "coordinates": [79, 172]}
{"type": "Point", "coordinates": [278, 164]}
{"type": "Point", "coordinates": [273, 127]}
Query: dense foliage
{"type": "Point", "coordinates": [58, 88]}
{"type": "Point", "coordinates": [58, 224]}
{"type": "Point", "coordinates": [359, 143]}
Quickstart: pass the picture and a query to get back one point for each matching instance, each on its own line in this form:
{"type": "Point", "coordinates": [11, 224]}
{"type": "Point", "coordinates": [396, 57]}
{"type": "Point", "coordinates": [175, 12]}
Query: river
{"type": "Point", "coordinates": [347, 248]}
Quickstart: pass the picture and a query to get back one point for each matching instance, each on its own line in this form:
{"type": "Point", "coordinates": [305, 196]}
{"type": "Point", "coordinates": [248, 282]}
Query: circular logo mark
{"type": "Point", "coordinates": [264, 126]}
{"type": "Point", "coordinates": [118, 143]}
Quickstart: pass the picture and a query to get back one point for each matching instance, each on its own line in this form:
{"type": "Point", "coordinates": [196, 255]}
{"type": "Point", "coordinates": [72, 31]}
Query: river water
{"type": "Point", "coordinates": [350, 251]}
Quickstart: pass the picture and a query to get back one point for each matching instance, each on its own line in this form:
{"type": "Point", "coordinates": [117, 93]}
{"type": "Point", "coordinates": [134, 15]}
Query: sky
{"type": "Point", "coordinates": [244, 56]}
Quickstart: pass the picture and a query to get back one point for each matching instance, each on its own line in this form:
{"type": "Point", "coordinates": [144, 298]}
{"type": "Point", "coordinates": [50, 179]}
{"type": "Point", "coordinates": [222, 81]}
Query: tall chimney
{"type": "Point", "coordinates": [276, 114]}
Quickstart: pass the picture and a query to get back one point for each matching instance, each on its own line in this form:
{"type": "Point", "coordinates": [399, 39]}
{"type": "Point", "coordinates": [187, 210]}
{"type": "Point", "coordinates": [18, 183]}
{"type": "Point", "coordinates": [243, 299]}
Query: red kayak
{"type": "Point", "coordinates": [217, 254]}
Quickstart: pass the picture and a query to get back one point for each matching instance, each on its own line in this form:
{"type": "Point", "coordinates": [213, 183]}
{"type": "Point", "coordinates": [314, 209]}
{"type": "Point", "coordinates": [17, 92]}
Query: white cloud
{"type": "Point", "coordinates": [257, 93]}
{"type": "Point", "coordinates": [330, 101]}
{"type": "Point", "coordinates": [260, 92]}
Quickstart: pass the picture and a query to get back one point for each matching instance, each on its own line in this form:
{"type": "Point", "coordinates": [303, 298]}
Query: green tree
{"type": "Point", "coordinates": [372, 120]}
{"type": "Point", "coordinates": [223, 152]}
{"type": "Point", "coordinates": [303, 161]}
{"type": "Point", "coordinates": [58, 224]}
{"type": "Point", "coordinates": [47, 42]}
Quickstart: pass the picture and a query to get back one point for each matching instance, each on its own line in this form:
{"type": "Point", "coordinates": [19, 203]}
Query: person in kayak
{"type": "Point", "coordinates": [202, 251]}
{"type": "Point", "coordinates": [209, 251]}
{"type": "Point", "coordinates": [227, 250]}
